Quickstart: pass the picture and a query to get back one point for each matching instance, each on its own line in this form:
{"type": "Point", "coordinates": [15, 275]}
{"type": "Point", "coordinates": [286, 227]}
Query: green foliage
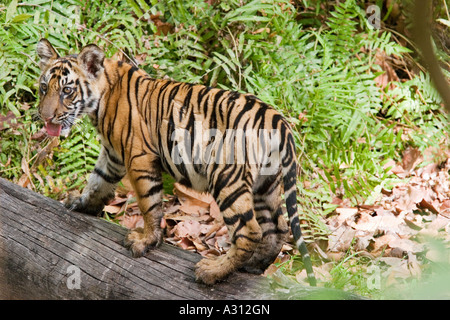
{"type": "Point", "coordinates": [322, 78]}
{"type": "Point", "coordinates": [78, 154]}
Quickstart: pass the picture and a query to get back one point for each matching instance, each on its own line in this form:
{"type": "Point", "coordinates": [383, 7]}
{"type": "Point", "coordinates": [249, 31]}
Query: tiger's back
{"type": "Point", "coordinates": [232, 145]}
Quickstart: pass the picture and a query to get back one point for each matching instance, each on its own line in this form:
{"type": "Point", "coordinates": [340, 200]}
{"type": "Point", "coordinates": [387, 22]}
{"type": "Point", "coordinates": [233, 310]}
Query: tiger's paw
{"type": "Point", "coordinates": [140, 243]}
{"type": "Point", "coordinates": [210, 271]}
{"type": "Point", "coordinates": [80, 204]}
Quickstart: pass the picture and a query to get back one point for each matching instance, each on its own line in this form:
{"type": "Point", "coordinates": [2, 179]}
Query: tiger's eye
{"type": "Point", "coordinates": [67, 90]}
{"type": "Point", "coordinates": [43, 87]}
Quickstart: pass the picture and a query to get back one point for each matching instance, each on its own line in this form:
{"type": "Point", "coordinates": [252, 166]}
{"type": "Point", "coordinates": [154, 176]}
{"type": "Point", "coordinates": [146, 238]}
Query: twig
{"type": "Point", "coordinates": [446, 9]}
{"type": "Point", "coordinates": [422, 36]}
{"type": "Point", "coordinates": [29, 57]}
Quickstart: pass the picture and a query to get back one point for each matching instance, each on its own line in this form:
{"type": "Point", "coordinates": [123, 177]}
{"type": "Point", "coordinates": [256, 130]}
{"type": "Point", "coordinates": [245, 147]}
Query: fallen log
{"type": "Point", "coordinates": [49, 252]}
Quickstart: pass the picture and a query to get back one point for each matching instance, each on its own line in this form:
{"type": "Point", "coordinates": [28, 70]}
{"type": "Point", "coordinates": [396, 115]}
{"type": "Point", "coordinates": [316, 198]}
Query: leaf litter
{"type": "Point", "coordinates": [393, 230]}
{"type": "Point", "coordinates": [192, 219]}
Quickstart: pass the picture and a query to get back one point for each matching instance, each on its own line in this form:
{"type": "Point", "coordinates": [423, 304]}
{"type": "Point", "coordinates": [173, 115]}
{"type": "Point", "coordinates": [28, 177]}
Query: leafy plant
{"type": "Point", "coordinates": [77, 155]}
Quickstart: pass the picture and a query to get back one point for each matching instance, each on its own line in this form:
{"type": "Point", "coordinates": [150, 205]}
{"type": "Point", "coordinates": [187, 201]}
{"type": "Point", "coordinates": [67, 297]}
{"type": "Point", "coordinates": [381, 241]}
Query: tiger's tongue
{"type": "Point", "coordinates": [53, 129]}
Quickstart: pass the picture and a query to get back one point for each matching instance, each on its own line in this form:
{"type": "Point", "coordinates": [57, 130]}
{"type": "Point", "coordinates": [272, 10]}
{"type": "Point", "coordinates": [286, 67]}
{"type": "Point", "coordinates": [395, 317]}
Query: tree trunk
{"type": "Point", "coordinates": [48, 252]}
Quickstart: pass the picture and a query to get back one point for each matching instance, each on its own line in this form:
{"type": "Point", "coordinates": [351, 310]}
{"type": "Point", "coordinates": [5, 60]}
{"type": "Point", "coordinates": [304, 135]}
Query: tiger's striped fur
{"type": "Point", "coordinates": [148, 126]}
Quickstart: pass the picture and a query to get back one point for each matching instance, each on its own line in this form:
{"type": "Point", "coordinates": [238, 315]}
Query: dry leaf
{"type": "Point", "coordinates": [214, 211]}
{"type": "Point", "coordinates": [188, 228]}
{"type": "Point", "coordinates": [406, 245]}
{"type": "Point", "coordinates": [408, 198]}
{"type": "Point", "coordinates": [192, 202]}
{"type": "Point", "coordinates": [186, 244]}
{"type": "Point", "coordinates": [341, 238]}
{"type": "Point", "coordinates": [411, 158]}
{"type": "Point", "coordinates": [430, 205]}
{"type": "Point", "coordinates": [445, 208]}
{"type": "Point", "coordinates": [8, 120]}
{"type": "Point", "coordinates": [389, 76]}
{"type": "Point", "coordinates": [162, 28]}
{"type": "Point", "coordinates": [346, 213]}
{"type": "Point", "coordinates": [131, 222]}
{"type": "Point", "coordinates": [270, 270]}
{"type": "Point", "coordinates": [112, 209]}
{"type": "Point", "coordinates": [380, 244]}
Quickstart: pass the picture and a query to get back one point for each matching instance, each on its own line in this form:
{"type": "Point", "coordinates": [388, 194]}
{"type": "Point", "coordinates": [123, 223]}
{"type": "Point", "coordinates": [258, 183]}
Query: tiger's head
{"type": "Point", "coordinates": [68, 86]}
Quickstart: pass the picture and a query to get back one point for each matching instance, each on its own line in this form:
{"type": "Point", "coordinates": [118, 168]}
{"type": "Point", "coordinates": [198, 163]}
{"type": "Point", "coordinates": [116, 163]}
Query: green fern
{"type": "Point", "coordinates": [77, 155]}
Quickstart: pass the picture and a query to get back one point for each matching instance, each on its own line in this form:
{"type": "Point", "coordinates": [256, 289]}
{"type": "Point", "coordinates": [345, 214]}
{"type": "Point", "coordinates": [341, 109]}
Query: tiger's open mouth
{"type": "Point", "coordinates": [53, 129]}
{"type": "Point", "coordinates": [57, 129]}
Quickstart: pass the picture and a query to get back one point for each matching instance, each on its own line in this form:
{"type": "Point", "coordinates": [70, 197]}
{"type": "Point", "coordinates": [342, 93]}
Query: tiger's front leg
{"type": "Point", "coordinates": [108, 171]}
{"type": "Point", "coordinates": [145, 176]}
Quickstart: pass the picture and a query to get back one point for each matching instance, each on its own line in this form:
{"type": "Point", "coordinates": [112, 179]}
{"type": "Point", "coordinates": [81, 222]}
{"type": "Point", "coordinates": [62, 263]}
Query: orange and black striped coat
{"type": "Point", "coordinates": [232, 145]}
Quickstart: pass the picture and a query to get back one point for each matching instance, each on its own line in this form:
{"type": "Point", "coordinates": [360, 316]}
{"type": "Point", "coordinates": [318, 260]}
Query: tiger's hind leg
{"type": "Point", "coordinates": [236, 206]}
{"type": "Point", "coordinates": [269, 214]}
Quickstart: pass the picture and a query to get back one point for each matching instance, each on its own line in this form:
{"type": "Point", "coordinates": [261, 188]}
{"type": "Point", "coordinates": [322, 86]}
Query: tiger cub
{"type": "Point", "coordinates": [231, 145]}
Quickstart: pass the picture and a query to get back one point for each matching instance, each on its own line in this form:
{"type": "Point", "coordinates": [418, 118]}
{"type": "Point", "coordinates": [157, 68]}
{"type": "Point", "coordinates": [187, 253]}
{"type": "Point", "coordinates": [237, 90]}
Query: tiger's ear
{"type": "Point", "coordinates": [46, 52]}
{"type": "Point", "coordinates": [91, 59]}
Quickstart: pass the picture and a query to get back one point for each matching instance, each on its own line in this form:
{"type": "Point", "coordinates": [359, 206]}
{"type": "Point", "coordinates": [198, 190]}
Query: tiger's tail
{"type": "Point", "coordinates": [290, 192]}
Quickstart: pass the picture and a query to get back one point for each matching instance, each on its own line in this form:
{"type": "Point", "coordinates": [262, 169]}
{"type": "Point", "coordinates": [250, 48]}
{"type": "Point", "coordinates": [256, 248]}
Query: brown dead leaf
{"type": "Point", "coordinates": [162, 28]}
{"type": "Point", "coordinates": [363, 240]}
{"type": "Point", "coordinates": [440, 223]}
{"type": "Point", "coordinates": [192, 202]}
{"type": "Point", "coordinates": [118, 201]}
{"type": "Point", "coordinates": [210, 253]}
{"type": "Point", "coordinates": [445, 208]}
{"type": "Point", "coordinates": [186, 244]}
{"type": "Point", "coordinates": [131, 221]}
{"type": "Point", "coordinates": [365, 222]}
{"type": "Point", "coordinates": [25, 180]}
{"type": "Point", "coordinates": [428, 171]}
{"type": "Point", "coordinates": [411, 158]}
{"type": "Point", "coordinates": [181, 216]}
{"type": "Point", "coordinates": [7, 120]}
{"type": "Point", "coordinates": [413, 223]}
{"type": "Point", "coordinates": [267, 30]}
{"type": "Point", "coordinates": [408, 198]}
{"type": "Point", "coordinates": [406, 245]}
{"type": "Point", "coordinates": [188, 228]}
{"type": "Point", "coordinates": [223, 243]}
{"type": "Point", "coordinates": [335, 256]}
{"type": "Point", "coordinates": [270, 270]}
{"type": "Point", "coordinates": [40, 135]}
{"type": "Point", "coordinates": [389, 76]}
{"type": "Point", "coordinates": [215, 230]}
{"type": "Point", "coordinates": [346, 213]}
{"type": "Point", "coordinates": [112, 209]}
{"type": "Point", "coordinates": [341, 238]}
{"type": "Point", "coordinates": [380, 244]}
{"type": "Point", "coordinates": [214, 211]}
{"type": "Point", "coordinates": [199, 246]}
{"type": "Point", "coordinates": [397, 271]}
{"type": "Point", "coordinates": [433, 206]}
{"type": "Point", "coordinates": [46, 152]}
